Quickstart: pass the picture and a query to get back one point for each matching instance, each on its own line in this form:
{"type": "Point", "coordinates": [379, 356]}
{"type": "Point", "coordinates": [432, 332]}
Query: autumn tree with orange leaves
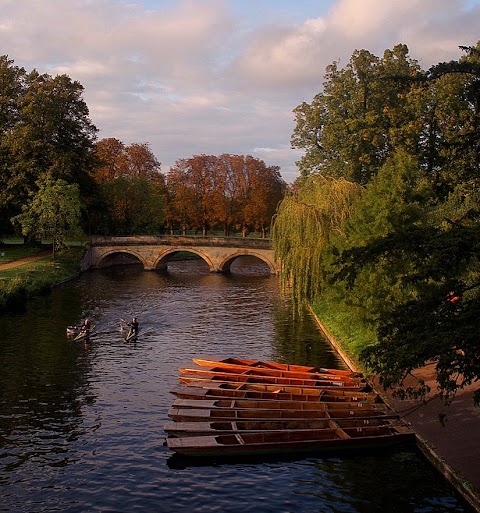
{"type": "Point", "coordinates": [132, 188]}
{"type": "Point", "coordinates": [231, 192]}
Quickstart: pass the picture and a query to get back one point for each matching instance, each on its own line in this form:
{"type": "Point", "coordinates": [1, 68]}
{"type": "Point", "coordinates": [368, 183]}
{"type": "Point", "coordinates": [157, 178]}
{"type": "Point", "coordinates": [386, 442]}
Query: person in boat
{"type": "Point", "coordinates": [86, 327]}
{"type": "Point", "coordinates": [134, 327]}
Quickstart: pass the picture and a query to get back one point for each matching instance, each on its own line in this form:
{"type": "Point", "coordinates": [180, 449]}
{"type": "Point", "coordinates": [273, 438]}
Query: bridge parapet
{"type": "Point", "coordinates": [154, 252]}
{"type": "Point", "coordinates": [182, 240]}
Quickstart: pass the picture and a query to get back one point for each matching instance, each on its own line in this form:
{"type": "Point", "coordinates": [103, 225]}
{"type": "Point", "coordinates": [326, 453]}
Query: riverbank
{"type": "Point", "coordinates": [453, 448]}
{"type": "Point", "coordinates": [24, 278]}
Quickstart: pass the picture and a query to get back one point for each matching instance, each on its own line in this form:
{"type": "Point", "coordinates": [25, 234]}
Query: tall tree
{"type": "Point", "coordinates": [347, 129]}
{"type": "Point", "coordinates": [53, 213]}
{"type": "Point", "coordinates": [230, 191]}
{"type": "Point", "coordinates": [263, 190]}
{"type": "Point", "coordinates": [132, 188]}
{"type": "Point", "coordinates": [407, 258]}
{"type": "Point", "coordinates": [51, 136]}
{"type": "Point", "coordinates": [109, 152]}
{"type": "Point", "coordinates": [12, 84]}
{"type": "Point", "coordinates": [306, 221]}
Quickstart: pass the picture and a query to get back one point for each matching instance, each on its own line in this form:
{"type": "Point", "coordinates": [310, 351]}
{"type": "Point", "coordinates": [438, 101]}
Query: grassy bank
{"type": "Point", "coordinates": [19, 284]}
{"type": "Point", "coordinates": [346, 329]}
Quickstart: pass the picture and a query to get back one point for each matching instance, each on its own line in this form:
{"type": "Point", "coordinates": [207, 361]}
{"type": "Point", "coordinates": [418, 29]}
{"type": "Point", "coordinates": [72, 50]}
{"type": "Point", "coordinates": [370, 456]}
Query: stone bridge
{"type": "Point", "coordinates": [155, 252]}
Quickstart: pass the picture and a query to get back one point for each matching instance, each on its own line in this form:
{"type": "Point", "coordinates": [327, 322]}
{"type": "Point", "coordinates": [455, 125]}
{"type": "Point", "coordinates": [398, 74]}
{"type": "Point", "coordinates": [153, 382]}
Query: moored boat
{"type": "Point", "coordinates": [222, 427]}
{"type": "Point", "coordinates": [307, 391]}
{"type": "Point", "coordinates": [248, 391]}
{"type": "Point", "coordinates": [287, 441]}
{"type": "Point", "coordinates": [265, 372]}
{"type": "Point", "coordinates": [252, 404]}
{"type": "Point", "coordinates": [189, 375]}
{"type": "Point", "coordinates": [205, 414]}
{"type": "Point", "coordinates": [242, 406]}
{"type": "Point", "coordinates": [236, 364]}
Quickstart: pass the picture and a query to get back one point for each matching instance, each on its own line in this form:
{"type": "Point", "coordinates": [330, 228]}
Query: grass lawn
{"type": "Point", "coordinates": [11, 252]}
{"type": "Point", "coordinates": [18, 284]}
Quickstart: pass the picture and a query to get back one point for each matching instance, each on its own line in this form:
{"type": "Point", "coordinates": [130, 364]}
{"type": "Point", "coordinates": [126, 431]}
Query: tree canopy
{"type": "Point", "coordinates": [404, 260]}
{"type": "Point", "coordinates": [45, 132]}
{"type": "Point", "coordinates": [54, 213]}
{"type": "Point", "coordinates": [234, 192]}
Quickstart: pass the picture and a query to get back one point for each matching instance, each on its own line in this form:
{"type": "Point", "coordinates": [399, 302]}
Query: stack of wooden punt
{"type": "Point", "coordinates": [234, 406]}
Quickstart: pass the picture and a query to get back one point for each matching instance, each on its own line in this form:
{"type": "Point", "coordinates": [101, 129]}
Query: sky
{"type": "Point", "coordinates": [192, 77]}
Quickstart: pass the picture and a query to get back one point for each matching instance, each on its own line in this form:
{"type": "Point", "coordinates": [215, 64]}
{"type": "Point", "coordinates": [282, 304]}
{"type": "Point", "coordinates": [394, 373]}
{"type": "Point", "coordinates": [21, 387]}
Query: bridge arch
{"type": "Point", "coordinates": [165, 257]}
{"type": "Point", "coordinates": [227, 262]}
{"type": "Point", "coordinates": [119, 255]}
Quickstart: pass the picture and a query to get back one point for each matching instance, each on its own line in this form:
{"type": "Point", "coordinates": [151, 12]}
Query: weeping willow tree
{"type": "Point", "coordinates": [303, 227]}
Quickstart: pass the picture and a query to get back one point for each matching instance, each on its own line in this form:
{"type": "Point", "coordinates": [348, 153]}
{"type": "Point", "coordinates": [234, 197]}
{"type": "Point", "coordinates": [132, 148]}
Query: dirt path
{"type": "Point", "coordinates": [26, 260]}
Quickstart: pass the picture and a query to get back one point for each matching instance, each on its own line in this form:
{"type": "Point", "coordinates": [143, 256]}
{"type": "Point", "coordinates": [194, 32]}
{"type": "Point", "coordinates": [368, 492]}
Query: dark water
{"type": "Point", "coordinates": [81, 425]}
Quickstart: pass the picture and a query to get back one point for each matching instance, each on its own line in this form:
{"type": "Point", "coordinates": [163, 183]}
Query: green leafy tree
{"type": "Point", "coordinates": [12, 84]}
{"type": "Point", "coordinates": [46, 132]}
{"type": "Point", "coordinates": [53, 213]}
{"type": "Point", "coordinates": [132, 206]}
{"type": "Point", "coordinates": [306, 221]}
{"type": "Point", "coordinates": [394, 202]}
{"type": "Point", "coordinates": [410, 241]}
{"type": "Point", "coordinates": [349, 129]}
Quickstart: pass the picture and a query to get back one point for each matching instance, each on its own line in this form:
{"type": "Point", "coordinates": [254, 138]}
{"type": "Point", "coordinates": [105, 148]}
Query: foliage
{"type": "Point", "coordinates": [131, 186]}
{"type": "Point", "coordinates": [229, 191]}
{"type": "Point", "coordinates": [45, 132]}
{"type": "Point", "coordinates": [132, 206]}
{"type": "Point", "coordinates": [116, 159]}
{"type": "Point", "coordinates": [410, 241]}
{"type": "Point", "coordinates": [54, 213]}
{"type": "Point", "coordinates": [305, 223]}
{"type": "Point", "coordinates": [19, 284]}
{"type": "Point", "coordinates": [350, 128]}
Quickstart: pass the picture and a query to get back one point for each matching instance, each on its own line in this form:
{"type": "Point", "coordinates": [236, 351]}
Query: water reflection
{"type": "Point", "coordinates": [81, 425]}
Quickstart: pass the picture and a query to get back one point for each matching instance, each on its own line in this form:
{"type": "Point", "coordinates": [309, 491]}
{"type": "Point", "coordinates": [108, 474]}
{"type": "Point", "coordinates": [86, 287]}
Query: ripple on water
{"type": "Point", "coordinates": [81, 425]}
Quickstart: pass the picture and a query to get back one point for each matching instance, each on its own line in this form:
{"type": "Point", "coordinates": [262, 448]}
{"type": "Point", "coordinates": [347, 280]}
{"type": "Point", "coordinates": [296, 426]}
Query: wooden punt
{"type": "Point", "coordinates": [237, 364]}
{"type": "Point", "coordinates": [242, 392]}
{"type": "Point", "coordinates": [254, 380]}
{"type": "Point", "coordinates": [287, 441]}
{"type": "Point", "coordinates": [274, 373]}
{"type": "Point", "coordinates": [250, 404]}
{"type": "Point", "coordinates": [205, 414]}
{"type": "Point", "coordinates": [222, 427]}
{"type": "Point", "coordinates": [249, 377]}
{"type": "Point", "coordinates": [308, 392]}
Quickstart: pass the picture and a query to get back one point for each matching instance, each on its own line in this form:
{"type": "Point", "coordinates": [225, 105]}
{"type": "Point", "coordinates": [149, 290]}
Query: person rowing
{"type": "Point", "coordinates": [85, 328]}
{"type": "Point", "coordinates": [134, 327]}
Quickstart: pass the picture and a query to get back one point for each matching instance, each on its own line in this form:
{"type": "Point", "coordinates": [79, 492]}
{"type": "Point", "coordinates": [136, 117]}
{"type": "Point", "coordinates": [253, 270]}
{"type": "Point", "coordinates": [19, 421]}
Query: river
{"type": "Point", "coordinates": [81, 425]}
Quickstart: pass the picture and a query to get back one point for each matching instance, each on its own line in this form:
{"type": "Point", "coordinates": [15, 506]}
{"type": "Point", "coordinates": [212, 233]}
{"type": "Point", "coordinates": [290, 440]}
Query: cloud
{"type": "Point", "coordinates": [212, 76]}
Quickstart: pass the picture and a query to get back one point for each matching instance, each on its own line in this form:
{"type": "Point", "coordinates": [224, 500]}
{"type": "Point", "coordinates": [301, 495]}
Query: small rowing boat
{"type": "Point", "coordinates": [287, 441]}
{"type": "Point", "coordinates": [187, 377]}
{"type": "Point", "coordinates": [258, 371]}
{"type": "Point", "coordinates": [72, 331]}
{"type": "Point", "coordinates": [247, 391]}
{"type": "Point", "coordinates": [237, 364]}
{"type": "Point", "coordinates": [85, 335]}
{"type": "Point", "coordinates": [222, 427]}
{"type": "Point", "coordinates": [266, 404]}
{"type": "Point", "coordinates": [131, 337]}
{"type": "Point", "coordinates": [205, 414]}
